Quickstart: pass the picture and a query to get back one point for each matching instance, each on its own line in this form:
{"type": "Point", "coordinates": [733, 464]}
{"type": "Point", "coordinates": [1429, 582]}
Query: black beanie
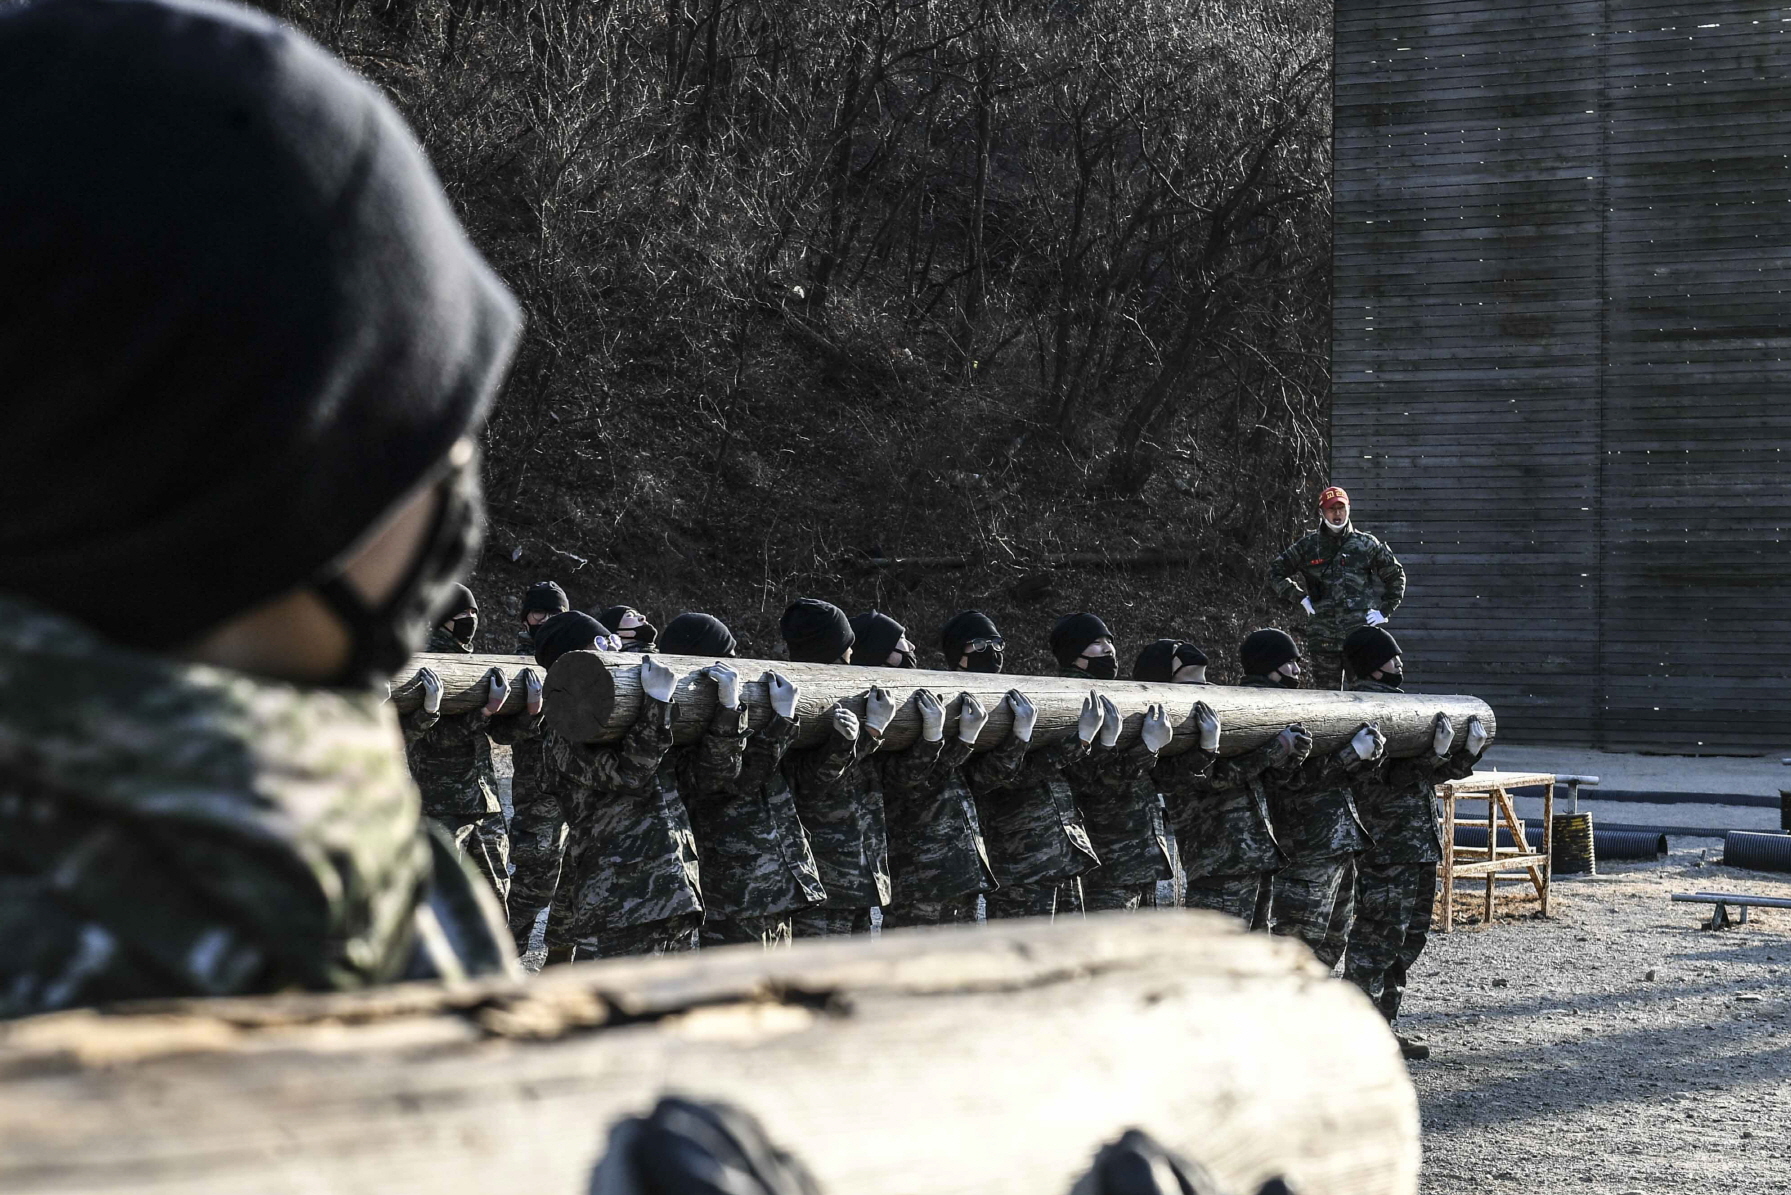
{"type": "Point", "coordinates": [570, 631]}
{"type": "Point", "coordinates": [548, 598]}
{"type": "Point", "coordinates": [874, 636]}
{"type": "Point", "coordinates": [459, 598]}
{"type": "Point", "coordinates": [240, 322]}
{"type": "Point", "coordinates": [1073, 633]}
{"type": "Point", "coordinates": [696, 635]}
{"type": "Point", "coordinates": [1266, 650]}
{"type": "Point", "coordinates": [1367, 648]}
{"type": "Point", "coordinates": [960, 630]}
{"type": "Point", "coordinates": [817, 632]}
{"type": "Point", "coordinates": [1164, 658]}
{"type": "Point", "coordinates": [612, 617]}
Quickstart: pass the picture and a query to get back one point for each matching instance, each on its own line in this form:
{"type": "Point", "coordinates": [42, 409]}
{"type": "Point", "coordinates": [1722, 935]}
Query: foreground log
{"type": "Point", "coordinates": [593, 697]}
{"type": "Point", "coordinates": [991, 1061]}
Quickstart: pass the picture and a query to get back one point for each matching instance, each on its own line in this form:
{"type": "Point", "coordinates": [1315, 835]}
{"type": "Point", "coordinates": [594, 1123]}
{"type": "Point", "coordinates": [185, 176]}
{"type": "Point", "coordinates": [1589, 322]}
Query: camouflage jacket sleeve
{"type": "Point", "coordinates": [1237, 771]}
{"type": "Point", "coordinates": [1179, 773]}
{"type": "Point", "coordinates": [1386, 567]}
{"type": "Point", "coordinates": [721, 753]}
{"type": "Point", "coordinates": [1112, 772]}
{"type": "Point", "coordinates": [1013, 760]}
{"type": "Point", "coordinates": [1284, 573]}
{"type": "Point", "coordinates": [762, 753]}
{"type": "Point", "coordinates": [510, 729]}
{"type": "Point", "coordinates": [1320, 772]}
{"type": "Point", "coordinates": [818, 770]}
{"type": "Point", "coordinates": [630, 765]}
{"type": "Point", "coordinates": [906, 773]}
{"type": "Point", "coordinates": [417, 723]}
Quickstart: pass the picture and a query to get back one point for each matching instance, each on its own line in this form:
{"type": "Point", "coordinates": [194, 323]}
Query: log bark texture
{"type": "Point", "coordinates": [992, 1061]}
{"type": "Point", "coordinates": [464, 683]}
{"type": "Point", "coordinates": [593, 697]}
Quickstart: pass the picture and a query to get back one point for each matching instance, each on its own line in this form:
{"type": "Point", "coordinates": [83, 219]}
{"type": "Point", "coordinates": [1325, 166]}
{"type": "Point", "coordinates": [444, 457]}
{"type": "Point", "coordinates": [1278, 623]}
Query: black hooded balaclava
{"type": "Point", "coordinates": [637, 638]}
{"type": "Point", "coordinates": [1160, 661]}
{"type": "Point", "coordinates": [1266, 650]}
{"type": "Point", "coordinates": [239, 324]}
{"type": "Point", "coordinates": [546, 597]}
{"type": "Point", "coordinates": [874, 637]}
{"type": "Point", "coordinates": [697, 635]}
{"type": "Point", "coordinates": [965, 628]}
{"type": "Point", "coordinates": [1367, 648]}
{"type": "Point", "coordinates": [817, 632]}
{"type": "Point", "coordinates": [459, 600]}
{"type": "Point", "coordinates": [1071, 637]}
{"type": "Point", "coordinates": [573, 630]}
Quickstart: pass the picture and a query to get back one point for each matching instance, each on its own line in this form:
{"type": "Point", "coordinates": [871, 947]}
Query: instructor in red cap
{"type": "Point", "coordinates": [1343, 579]}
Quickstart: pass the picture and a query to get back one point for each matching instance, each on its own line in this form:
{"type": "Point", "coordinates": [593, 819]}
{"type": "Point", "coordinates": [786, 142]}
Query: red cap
{"type": "Point", "coordinates": [1333, 496]}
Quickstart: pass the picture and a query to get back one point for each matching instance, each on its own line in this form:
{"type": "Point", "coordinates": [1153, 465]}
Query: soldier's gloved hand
{"type": "Point", "coordinates": [1302, 743]}
{"type": "Point", "coordinates": [1089, 723]}
{"type": "Point", "coordinates": [1477, 736]}
{"type": "Point", "coordinates": [1442, 734]}
{"type": "Point", "coordinates": [607, 643]}
{"type": "Point", "coordinates": [972, 717]}
{"type": "Point", "coordinates": [932, 715]}
{"type": "Point", "coordinates": [432, 690]}
{"type": "Point", "coordinates": [657, 680]}
{"type": "Point", "coordinates": [727, 685]}
{"type": "Point", "coordinates": [782, 694]}
{"type": "Point", "coordinates": [1112, 723]}
{"type": "Point", "coordinates": [1025, 715]}
{"type": "Point", "coordinates": [497, 690]}
{"type": "Point", "coordinates": [1375, 618]}
{"type": "Point", "coordinates": [1366, 743]}
{"type": "Point", "coordinates": [531, 688]}
{"type": "Point", "coordinates": [1306, 604]}
{"type": "Point", "coordinates": [878, 711]}
{"type": "Point", "coordinates": [1208, 724]}
{"type": "Point", "coordinates": [845, 723]}
{"type": "Point", "coordinates": [1156, 731]}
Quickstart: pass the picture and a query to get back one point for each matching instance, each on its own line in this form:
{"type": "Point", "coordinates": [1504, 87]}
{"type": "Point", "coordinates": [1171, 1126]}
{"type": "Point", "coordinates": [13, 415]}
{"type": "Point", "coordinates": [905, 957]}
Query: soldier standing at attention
{"type": "Point", "coordinates": [540, 602]}
{"type": "Point", "coordinates": [1342, 578]}
{"type": "Point", "coordinates": [211, 397]}
{"type": "Point", "coordinates": [1396, 882]}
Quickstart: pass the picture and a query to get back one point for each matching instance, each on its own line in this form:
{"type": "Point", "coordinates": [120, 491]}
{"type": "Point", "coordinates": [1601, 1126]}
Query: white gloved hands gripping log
{"type": "Point", "coordinates": [1026, 715]}
{"type": "Point", "coordinates": [1112, 722]}
{"type": "Point", "coordinates": [1156, 731]}
{"type": "Point", "coordinates": [932, 716]}
{"type": "Point", "coordinates": [782, 695]}
{"type": "Point", "coordinates": [879, 711]}
{"type": "Point", "coordinates": [657, 681]}
{"type": "Point", "coordinates": [1207, 724]}
{"type": "Point", "coordinates": [1442, 735]}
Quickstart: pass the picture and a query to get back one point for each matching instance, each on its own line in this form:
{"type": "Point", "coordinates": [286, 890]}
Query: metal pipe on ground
{"type": "Point", "coordinates": [1757, 852]}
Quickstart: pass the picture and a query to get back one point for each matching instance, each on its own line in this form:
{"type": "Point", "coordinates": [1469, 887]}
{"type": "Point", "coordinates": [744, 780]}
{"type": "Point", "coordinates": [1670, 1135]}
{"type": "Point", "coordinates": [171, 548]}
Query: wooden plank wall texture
{"type": "Point", "coordinates": [1563, 252]}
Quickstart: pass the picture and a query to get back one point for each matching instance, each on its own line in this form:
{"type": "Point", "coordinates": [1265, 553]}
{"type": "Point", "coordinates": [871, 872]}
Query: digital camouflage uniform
{"type": "Point", "coordinates": [1219, 809]}
{"type": "Point", "coordinates": [1346, 576]}
{"type": "Point", "coordinates": [839, 796]}
{"type": "Point", "coordinates": [757, 865]}
{"type": "Point", "coordinates": [537, 822]}
{"type": "Point", "coordinates": [450, 757]}
{"type": "Point", "coordinates": [630, 882]}
{"type": "Point", "coordinates": [1396, 880]}
{"type": "Point", "coordinates": [938, 862]}
{"type": "Point", "coordinates": [1034, 832]}
{"type": "Point", "coordinates": [173, 829]}
{"type": "Point", "coordinates": [1118, 797]}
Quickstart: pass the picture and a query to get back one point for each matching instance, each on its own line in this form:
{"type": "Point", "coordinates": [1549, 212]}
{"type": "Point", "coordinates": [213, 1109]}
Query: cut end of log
{"type": "Point", "coordinates": [579, 696]}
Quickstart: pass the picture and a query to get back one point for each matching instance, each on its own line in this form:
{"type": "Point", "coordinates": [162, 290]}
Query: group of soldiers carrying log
{"type": "Point", "coordinates": [644, 846]}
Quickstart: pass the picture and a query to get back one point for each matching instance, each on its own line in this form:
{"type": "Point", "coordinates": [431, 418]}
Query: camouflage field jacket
{"type": "Point", "coordinates": [1397, 799]}
{"type": "Point", "coordinates": [1345, 575]}
{"type": "Point", "coordinates": [838, 788]}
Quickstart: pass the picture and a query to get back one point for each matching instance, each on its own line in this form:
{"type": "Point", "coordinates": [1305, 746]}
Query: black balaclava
{"type": "Point", "coordinates": [240, 324]}
{"type": "Point", "coordinates": [462, 626]}
{"type": "Point", "coordinates": [546, 597]}
{"type": "Point", "coordinates": [697, 635]}
{"type": "Point", "coordinates": [1266, 650]}
{"type": "Point", "coordinates": [1367, 648]}
{"type": "Point", "coordinates": [1071, 637]}
{"type": "Point", "coordinates": [636, 639]}
{"type": "Point", "coordinates": [1160, 661]}
{"type": "Point", "coordinates": [874, 637]}
{"type": "Point", "coordinates": [572, 630]}
{"type": "Point", "coordinates": [972, 634]}
{"type": "Point", "coordinates": [817, 632]}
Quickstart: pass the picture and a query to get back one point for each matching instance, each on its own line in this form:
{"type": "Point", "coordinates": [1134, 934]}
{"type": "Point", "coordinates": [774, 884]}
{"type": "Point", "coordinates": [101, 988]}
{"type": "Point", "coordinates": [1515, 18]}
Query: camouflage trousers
{"type": "Point", "coordinates": [1099, 897]}
{"type": "Point", "coordinates": [671, 935]}
{"type": "Point", "coordinates": [482, 836]}
{"type": "Point", "coordinates": [1393, 911]}
{"type": "Point", "coordinates": [1246, 897]}
{"type": "Point", "coordinates": [1324, 666]}
{"type": "Point", "coordinates": [1033, 900]}
{"type": "Point", "coordinates": [773, 932]}
{"type": "Point", "coordinates": [537, 842]}
{"type": "Point", "coordinates": [930, 912]}
{"type": "Point", "coordinates": [1343, 914]}
{"type": "Point", "coordinates": [818, 922]}
{"type": "Point", "coordinates": [1305, 903]}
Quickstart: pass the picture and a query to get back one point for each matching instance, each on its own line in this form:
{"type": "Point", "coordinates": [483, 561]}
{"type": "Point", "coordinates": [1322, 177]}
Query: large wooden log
{"type": "Point", "coordinates": [593, 697]}
{"type": "Point", "coordinates": [464, 681]}
{"type": "Point", "coordinates": [992, 1061]}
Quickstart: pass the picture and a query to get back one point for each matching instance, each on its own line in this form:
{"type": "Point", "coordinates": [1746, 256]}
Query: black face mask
{"type": "Point", "coordinates": [639, 638]}
{"type": "Point", "coordinates": [383, 637]}
{"type": "Point", "coordinates": [907, 661]}
{"type": "Point", "coordinates": [984, 661]}
{"type": "Point", "coordinates": [1103, 667]}
{"type": "Point", "coordinates": [1287, 682]}
{"type": "Point", "coordinates": [463, 628]}
{"type": "Point", "coordinates": [1391, 679]}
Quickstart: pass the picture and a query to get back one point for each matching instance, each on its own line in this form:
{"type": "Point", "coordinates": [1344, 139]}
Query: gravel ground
{"type": "Point", "coordinates": [1616, 1047]}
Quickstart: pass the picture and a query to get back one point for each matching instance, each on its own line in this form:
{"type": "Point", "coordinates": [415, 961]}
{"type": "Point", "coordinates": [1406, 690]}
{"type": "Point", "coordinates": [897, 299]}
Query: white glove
{"type": "Point", "coordinates": [1376, 618]}
{"type": "Point", "coordinates": [1307, 603]}
{"type": "Point", "coordinates": [932, 716]}
{"type": "Point", "coordinates": [1366, 743]}
{"type": "Point", "coordinates": [1089, 723]}
{"type": "Point", "coordinates": [1112, 724]}
{"type": "Point", "coordinates": [607, 643]}
{"type": "Point", "coordinates": [1208, 723]}
{"type": "Point", "coordinates": [971, 718]}
{"type": "Point", "coordinates": [1025, 716]}
{"type": "Point", "coordinates": [878, 710]}
{"type": "Point", "coordinates": [845, 723]}
{"type": "Point", "coordinates": [1442, 736]}
{"type": "Point", "coordinates": [657, 680]}
{"type": "Point", "coordinates": [1156, 731]}
{"type": "Point", "coordinates": [531, 686]}
{"type": "Point", "coordinates": [498, 690]}
{"type": "Point", "coordinates": [432, 690]}
{"type": "Point", "coordinates": [727, 685]}
{"type": "Point", "coordinates": [1477, 737]}
{"type": "Point", "coordinates": [782, 694]}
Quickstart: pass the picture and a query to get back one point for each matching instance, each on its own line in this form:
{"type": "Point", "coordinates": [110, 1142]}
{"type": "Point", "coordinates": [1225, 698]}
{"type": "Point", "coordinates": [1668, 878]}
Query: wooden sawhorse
{"type": "Point", "coordinates": [1494, 861]}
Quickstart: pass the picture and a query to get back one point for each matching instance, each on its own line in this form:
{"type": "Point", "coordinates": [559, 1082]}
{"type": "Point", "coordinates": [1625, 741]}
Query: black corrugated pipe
{"type": "Point", "coordinates": [1757, 852]}
{"type": "Point", "coordinates": [1608, 845]}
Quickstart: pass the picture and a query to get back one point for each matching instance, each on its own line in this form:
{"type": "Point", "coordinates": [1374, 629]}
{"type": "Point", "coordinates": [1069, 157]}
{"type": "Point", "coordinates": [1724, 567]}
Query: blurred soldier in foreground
{"type": "Point", "coordinates": [215, 396]}
{"type": "Point", "coordinates": [1342, 578]}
